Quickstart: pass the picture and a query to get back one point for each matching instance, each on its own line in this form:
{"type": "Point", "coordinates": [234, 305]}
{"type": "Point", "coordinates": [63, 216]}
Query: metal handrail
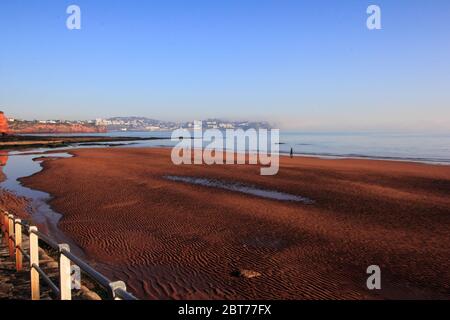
{"type": "Point", "coordinates": [116, 290]}
{"type": "Point", "coordinates": [46, 239]}
{"type": "Point", "coordinates": [23, 252]}
{"type": "Point", "coordinates": [97, 276]}
{"type": "Point", "coordinates": [124, 295]}
{"type": "Point", "coordinates": [23, 224]}
{"type": "Point", "coordinates": [44, 276]}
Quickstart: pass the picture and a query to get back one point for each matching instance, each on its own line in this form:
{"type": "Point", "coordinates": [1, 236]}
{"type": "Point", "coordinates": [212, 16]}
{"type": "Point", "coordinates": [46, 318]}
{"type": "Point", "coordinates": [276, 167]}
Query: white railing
{"type": "Point", "coordinates": [13, 230]}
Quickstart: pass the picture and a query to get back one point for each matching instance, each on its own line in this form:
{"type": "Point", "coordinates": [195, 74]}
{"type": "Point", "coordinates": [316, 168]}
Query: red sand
{"type": "Point", "coordinates": [18, 206]}
{"type": "Point", "coordinates": [174, 240]}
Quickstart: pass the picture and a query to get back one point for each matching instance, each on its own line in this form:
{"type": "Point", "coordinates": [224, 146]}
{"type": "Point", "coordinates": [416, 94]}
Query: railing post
{"type": "Point", "coordinates": [117, 285]}
{"type": "Point", "coordinates": [2, 219]}
{"type": "Point", "coordinates": [65, 278]}
{"type": "Point", "coordinates": [5, 228]}
{"type": "Point", "coordinates": [10, 234]}
{"type": "Point", "coordinates": [34, 261]}
{"type": "Point", "coordinates": [18, 235]}
{"type": "Point", "coordinates": [2, 228]}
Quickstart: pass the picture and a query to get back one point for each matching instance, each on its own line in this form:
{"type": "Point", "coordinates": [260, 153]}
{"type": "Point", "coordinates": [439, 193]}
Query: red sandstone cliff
{"type": "Point", "coordinates": [3, 124]}
{"type": "Point", "coordinates": [31, 127]}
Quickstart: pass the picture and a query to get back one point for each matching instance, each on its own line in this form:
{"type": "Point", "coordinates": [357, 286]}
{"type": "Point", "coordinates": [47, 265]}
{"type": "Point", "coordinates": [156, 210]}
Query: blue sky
{"type": "Point", "coordinates": [309, 65]}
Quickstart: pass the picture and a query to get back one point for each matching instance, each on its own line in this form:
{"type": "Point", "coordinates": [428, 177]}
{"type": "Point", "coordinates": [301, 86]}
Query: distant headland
{"type": "Point", "coordinates": [19, 126]}
{"type": "Point", "coordinates": [52, 126]}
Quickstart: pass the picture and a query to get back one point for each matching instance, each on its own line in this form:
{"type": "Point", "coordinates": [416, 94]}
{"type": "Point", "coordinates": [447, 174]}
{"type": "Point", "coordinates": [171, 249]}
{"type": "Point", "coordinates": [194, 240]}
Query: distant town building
{"type": "Point", "coordinates": [153, 128]}
{"type": "Point", "coordinates": [226, 125]}
{"type": "Point", "coordinates": [147, 124]}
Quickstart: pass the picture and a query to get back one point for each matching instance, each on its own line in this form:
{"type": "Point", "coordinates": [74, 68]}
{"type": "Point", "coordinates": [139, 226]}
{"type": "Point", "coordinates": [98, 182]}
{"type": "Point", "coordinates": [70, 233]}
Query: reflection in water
{"type": "Point", "coordinates": [3, 162]}
{"type": "Point", "coordinates": [239, 187]}
{"type": "Point", "coordinates": [3, 158]}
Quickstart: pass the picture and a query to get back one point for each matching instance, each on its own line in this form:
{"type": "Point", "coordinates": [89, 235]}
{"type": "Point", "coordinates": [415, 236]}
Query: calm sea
{"type": "Point", "coordinates": [433, 148]}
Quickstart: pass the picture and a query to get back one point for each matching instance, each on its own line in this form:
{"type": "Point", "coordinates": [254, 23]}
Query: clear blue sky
{"type": "Point", "coordinates": [303, 64]}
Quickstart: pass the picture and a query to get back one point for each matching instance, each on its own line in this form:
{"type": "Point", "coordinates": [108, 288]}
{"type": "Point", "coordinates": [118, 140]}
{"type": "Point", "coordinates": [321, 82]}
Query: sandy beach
{"type": "Point", "coordinates": [175, 240]}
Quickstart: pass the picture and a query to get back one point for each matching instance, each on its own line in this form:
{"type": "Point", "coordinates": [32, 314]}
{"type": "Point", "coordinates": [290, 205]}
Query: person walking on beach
{"type": "Point", "coordinates": [292, 152]}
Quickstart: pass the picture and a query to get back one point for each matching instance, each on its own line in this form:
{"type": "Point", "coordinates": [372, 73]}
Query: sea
{"type": "Point", "coordinates": [419, 147]}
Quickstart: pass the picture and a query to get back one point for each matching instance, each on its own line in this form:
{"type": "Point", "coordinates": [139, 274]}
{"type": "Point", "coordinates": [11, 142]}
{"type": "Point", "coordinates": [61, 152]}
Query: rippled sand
{"type": "Point", "coordinates": [172, 240]}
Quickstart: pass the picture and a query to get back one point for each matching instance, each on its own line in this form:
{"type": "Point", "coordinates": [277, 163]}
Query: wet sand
{"type": "Point", "coordinates": [174, 240]}
{"type": "Point", "coordinates": [10, 142]}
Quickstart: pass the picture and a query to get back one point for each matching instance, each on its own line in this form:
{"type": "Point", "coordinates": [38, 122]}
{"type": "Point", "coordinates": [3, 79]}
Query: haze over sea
{"type": "Point", "coordinates": [433, 148]}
